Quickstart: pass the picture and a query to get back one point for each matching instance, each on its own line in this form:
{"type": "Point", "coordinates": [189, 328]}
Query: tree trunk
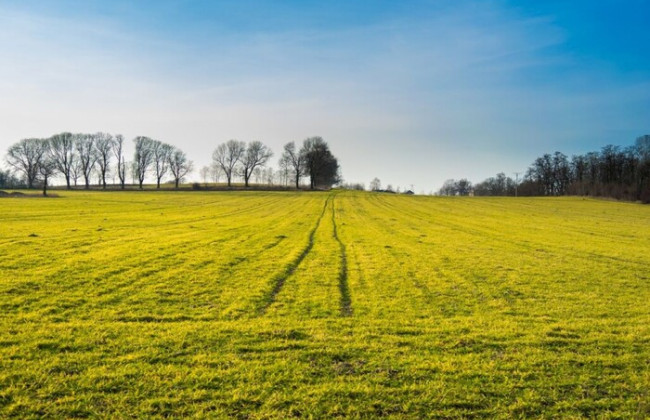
{"type": "Point", "coordinates": [45, 187]}
{"type": "Point", "coordinates": [177, 179]}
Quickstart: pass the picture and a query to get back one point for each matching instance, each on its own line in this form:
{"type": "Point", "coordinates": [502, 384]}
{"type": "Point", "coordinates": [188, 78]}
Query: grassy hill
{"type": "Point", "coordinates": [284, 304]}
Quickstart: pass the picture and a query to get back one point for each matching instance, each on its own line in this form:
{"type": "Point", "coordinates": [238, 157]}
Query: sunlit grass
{"type": "Point", "coordinates": [279, 304]}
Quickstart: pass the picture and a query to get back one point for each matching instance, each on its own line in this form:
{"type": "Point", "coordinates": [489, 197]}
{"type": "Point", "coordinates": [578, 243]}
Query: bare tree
{"type": "Point", "coordinates": [133, 170]}
{"type": "Point", "coordinates": [48, 164]}
{"type": "Point", "coordinates": [256, 155]}
{"type": "Point", "coordinates": [205, 173]}
{"type": "Point", "coordinates": [215, 172]}
{"type": "Point", "coordinates": [104, 146]}
{"type": "Point", "coordinates": [143, 158]}
{"type": "Point", "coordinates": [62, 154]}
{"type": "Point", "coordinates": [75, 171]}
{"type": "Point", "coordinates": [285, 170]}
{"type": "Point", "coordinates": [375, 184]}
{"type": "Point", "coordinates": [85, 145]}
{"type": "Point", "coordinates": [228, 155]}
{"type": "Point", "coordinates": [179, 165]}
{"type": "Point", "coordinates": [25, 156]}
{"type": "Point", "coordinates": [161, 155]}
{"type": "Point", "coordinates": [118, 144]}
{"type": "Point", "coordinates": [270, 176]}
{"type": "Point", "coordinates": [295, 159]}
{"type": "Point", "coordinates": [257, 174]}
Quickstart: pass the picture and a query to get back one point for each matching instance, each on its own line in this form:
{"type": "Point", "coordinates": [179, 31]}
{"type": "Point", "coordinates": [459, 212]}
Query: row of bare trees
{"type": "Point", "coordinates": [161, 159]}
{"type": "Point", "coordinates": [82, 156]}
{"type": "Point", "coordinates": [235, 156]}
{"type": "Point", "coordinates": [75, 156]}
{"type": "Point", "coordinates": [313, 159]}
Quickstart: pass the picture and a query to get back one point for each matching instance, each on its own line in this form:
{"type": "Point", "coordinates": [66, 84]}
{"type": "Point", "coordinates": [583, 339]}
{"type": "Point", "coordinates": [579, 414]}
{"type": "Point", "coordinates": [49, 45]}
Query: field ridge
{"type": "Point", "coordinates": [277, 282]}
{"type": "Point", "coordinates": [344, 288]}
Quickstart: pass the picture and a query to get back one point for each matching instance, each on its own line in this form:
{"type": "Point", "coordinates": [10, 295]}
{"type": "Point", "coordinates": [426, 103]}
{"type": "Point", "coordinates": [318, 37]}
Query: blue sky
{"type": "Point", "coordinates": [412, 92]}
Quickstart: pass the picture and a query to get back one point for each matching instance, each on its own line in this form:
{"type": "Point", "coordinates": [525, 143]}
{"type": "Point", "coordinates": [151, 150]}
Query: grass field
{"type": "Point", "coordinates": [277, 305]}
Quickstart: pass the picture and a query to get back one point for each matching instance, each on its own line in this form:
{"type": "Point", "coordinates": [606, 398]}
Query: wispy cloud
{"type": "Point", "coordinates": [462, 90]}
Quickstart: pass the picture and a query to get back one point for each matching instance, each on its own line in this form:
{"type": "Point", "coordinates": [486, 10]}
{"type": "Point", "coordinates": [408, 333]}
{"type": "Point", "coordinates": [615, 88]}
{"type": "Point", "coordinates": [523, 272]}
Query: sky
{"type": "Point", "coordinates": [412, 92]}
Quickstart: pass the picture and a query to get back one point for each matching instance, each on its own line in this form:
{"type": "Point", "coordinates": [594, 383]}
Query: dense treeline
{"type": "Point", "coordinates": [9, 180]}
{"type": "Point", "coordinates": [614, 171]}
{"type": "Point", "coordinates": [72, 157]}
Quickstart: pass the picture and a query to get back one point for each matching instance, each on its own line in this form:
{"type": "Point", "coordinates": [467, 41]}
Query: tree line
{"type": "Point", "coordinates": [614, 171]}
{"type": "Point", "coordinates": [313, 160]}
{"type": "Point", "coordinates": [34, 161]}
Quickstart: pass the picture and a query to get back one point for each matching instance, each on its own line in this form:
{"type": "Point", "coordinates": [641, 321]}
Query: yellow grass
{"type": "Point", "coordinates": [281, 304]}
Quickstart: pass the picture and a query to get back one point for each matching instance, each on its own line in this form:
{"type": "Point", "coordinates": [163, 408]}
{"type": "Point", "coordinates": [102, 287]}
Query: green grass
{"type": "Point", "coordinates": [281, 304]}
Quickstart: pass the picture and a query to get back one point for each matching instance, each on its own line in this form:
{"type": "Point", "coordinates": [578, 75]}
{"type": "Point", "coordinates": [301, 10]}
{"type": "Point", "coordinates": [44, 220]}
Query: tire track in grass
{"type": "Point", "coordinates": [277, 282]}
{"type": "Point", "coordinates": [346, 302]}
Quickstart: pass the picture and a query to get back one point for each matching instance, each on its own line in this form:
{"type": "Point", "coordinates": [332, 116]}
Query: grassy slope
{"type": "Point", "coordinates": [283, 304]}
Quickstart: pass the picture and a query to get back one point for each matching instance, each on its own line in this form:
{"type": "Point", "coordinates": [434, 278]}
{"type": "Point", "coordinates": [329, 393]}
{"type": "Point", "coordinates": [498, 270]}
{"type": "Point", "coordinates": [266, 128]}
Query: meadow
{"type": "Point", "coordinates": [318, 305]}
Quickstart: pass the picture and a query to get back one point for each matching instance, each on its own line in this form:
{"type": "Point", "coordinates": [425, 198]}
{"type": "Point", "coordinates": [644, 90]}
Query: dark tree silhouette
{"type": "Point", "coordinates": [321, 165]}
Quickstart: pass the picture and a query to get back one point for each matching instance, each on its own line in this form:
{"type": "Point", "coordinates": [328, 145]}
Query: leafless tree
{"type": "Point", "coordinates": [85, 145]}
{"type": "Point", "coordinates": [25, 156]}
{"type": "Point", "coordinates": [270, 176]}
{"type": "Point", "coordinates": [256, 155]}
{"type": "Point", "coordinates": [48, 164]}
{"type": "Point", "coordinates": [215, 172]}
{"type": "Point", "coordinates": [103, 146]}
{"type": "Point", "coordinates": [62, 153]}
{"type": "Point", "coordinates": [375, 184]}
{"type": "Point", "coordinates": [205, 173]}
{"type": "Point", "coordinates": [161, 155]}
{"type": "Point", "coordinates": [257, 174]}
{"type": "Point", "coordinates": [142, 158]}
{"type": "Point", "coordinates": [228, 155]}
{"type": "Point", "coordinates": [295, 160]}
{"type": "Point", "coordinates": [118, 144]}
{"type": "Point", "coordinates": [75, 171]}
{"type": "Point", "coordinates": [179, 165]}
{"type": "Point", "coordinates": [285, 170]}
{"type": "Point", "coordinates": [133, 170]}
